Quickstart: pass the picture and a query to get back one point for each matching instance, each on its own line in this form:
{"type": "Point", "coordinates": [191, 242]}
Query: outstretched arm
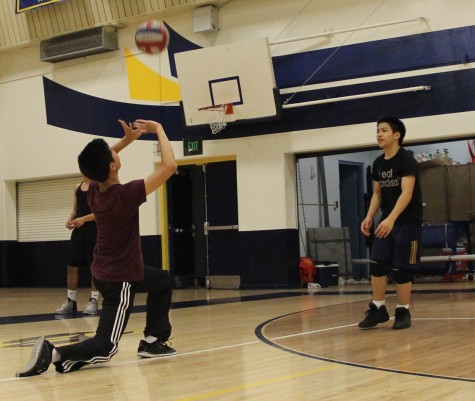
{"type": "Point", "coordinates": [167, 166]}
{"type": "Point", "coordinates": [130, 134]}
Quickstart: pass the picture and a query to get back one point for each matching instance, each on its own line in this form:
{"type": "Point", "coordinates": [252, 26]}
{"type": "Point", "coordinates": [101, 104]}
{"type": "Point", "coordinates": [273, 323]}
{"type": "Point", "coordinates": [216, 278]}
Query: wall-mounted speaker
{"type": "Point", "coordinates": [205, 19]}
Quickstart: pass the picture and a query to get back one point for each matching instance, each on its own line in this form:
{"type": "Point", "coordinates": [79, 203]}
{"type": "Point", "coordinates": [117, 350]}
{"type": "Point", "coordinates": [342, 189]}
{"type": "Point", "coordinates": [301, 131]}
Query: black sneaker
{"type": "Point", "coordinates": [402, 318]}
{"type": "Point", "coordinates": [374, 316]}
{"type": "Point", "coordinates": [155, 349]}
{"type": "Point", "coordinates": [40, 359]}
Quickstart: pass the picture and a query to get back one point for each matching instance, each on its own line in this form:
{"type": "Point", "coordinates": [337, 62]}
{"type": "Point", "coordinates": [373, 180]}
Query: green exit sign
{"type": "Point", "coordinates": [193, 146]}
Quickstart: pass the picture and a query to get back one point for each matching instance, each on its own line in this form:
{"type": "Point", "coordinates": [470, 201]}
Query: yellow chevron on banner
{"type": "Point", "coordinates": [146, 84]}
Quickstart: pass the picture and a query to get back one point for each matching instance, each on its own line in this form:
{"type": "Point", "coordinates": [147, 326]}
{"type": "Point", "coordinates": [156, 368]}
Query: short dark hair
{"type": "Point", "coordinates": [94, 160]}
{"type": "Point", "coordinates": [396, 125]}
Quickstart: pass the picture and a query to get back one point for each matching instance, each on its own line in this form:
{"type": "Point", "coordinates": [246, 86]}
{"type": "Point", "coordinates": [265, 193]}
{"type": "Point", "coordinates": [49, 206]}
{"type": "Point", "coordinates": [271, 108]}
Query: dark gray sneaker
{"type": "Point", "coordinates": [155, 349]}
{"type": "Point", "coordinates": [40, 359]}
{"type": "Point", "coordinates": [402, 319]}
{"type": "Point", "coordinates": [374, 316]}
{"type": "Point", "coordinates": [91, 307]}
{"type": "Point", "coordinates": [68, 307]}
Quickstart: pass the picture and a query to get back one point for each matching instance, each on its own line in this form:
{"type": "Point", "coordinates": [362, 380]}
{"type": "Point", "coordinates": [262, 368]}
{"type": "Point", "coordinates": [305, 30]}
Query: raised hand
{"type": "Point", "coordinates": [130, 133]}
{"type": "Point", "coordinates": [147, 126]}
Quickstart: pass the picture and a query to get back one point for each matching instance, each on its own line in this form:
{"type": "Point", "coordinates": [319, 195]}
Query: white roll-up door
{"type": "Point", "coordinates": [43, 208]}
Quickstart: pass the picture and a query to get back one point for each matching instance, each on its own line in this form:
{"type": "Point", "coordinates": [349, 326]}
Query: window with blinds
{"type": "Point", "coordinates": [43, 208]}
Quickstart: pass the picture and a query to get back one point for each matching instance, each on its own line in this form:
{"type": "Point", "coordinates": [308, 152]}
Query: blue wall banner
{"type": "Point", "coordinates": [26, 5]}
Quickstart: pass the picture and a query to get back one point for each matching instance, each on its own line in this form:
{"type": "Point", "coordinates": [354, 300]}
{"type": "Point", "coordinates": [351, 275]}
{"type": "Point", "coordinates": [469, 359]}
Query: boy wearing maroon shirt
{"type": "Point", "coordinates": [117, 269]}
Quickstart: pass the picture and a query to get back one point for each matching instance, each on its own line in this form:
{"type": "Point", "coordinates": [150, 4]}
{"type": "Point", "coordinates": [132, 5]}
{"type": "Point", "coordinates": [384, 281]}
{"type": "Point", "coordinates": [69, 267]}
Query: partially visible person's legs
{"type": "Point", "coordinates": [75, 259]}
{"type": "Point", "coordinates": [403, 292]}
{"type": "Point", "coordinates": [377, 312]}
{"type": "Point", "coordinates": [157, 283]}
{"type": "Point", "coordinates": [72, 278]}
{"type": "Point", "coordinates": [92, 305]}
{"type": "Point", "coordinates": [89, 242]}
{"type": "Point", "coordinates": [407, 254]}
{"type": "Point", "coordinates": [402, 316]}
{"type": "Point", "coordinates": [379, 285]}
{"type": "Point", "coordinates": [70, 305]}
{"type": "Point", "coordinates": [83, 240]}
{"type": "Point", "coordinates": [379, 268]}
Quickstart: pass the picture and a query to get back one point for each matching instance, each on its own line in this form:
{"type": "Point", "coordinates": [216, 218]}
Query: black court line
{"type": "Point", "coordinates": [259, 334]}
{"type": "Point", "coordinates": [44, 317]}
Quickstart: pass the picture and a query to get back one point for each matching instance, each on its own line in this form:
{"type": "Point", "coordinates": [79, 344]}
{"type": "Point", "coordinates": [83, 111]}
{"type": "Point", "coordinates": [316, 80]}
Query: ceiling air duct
{"type": "Point", "coordinates": [79, 44]}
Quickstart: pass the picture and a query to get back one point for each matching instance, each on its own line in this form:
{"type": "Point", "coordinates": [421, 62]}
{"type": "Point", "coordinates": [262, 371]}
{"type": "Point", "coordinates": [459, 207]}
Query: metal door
{"type": "Point", "coordinates": [352, 211]}
{"type": "Point", "coordinates": [181, 229]}
{"type": "Point", "coordinates": [202, 222]}
{"type": "Point", "coordinates": [221, 226]}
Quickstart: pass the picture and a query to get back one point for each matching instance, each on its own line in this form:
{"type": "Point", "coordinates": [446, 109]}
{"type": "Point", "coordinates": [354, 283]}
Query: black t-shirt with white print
{"type": "Point", "coordinates": [389, 174]}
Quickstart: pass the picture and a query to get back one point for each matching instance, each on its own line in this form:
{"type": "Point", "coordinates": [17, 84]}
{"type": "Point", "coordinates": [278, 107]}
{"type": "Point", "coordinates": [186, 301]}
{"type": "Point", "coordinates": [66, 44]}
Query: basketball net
{"type": "Point", "coordinates": [216, 116]}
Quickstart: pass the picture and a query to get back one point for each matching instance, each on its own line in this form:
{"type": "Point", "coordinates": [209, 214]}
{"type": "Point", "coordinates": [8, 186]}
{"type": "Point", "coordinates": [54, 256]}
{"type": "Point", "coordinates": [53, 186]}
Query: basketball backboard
{"type": "Point", "coordinates": [238, 73]}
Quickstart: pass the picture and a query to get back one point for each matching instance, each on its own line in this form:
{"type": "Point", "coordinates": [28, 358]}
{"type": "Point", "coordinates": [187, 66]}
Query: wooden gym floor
{"type": "Point", "coordinates": [256, 345]}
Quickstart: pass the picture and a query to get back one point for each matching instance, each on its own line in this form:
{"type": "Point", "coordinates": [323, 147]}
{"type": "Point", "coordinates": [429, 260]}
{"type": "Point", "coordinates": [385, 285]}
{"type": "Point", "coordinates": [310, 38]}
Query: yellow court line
{"type": "Point", "coordinates": [257, 384]}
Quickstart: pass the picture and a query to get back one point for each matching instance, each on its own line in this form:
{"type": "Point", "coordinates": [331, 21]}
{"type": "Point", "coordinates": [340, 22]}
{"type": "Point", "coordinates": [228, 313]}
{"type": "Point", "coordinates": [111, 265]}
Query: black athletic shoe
{"type": "Point", "coordinates": [402, 318]}
{"type": "Point", "coordinates": [374, 316]}
{"type": "Point", "coordinates": [155, 349]}
{"type": "Point", "coordinates": [40, 359]}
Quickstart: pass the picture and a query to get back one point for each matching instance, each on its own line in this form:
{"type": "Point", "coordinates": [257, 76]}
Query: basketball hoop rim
{"type": "Point", "coordinates": [228, 108]}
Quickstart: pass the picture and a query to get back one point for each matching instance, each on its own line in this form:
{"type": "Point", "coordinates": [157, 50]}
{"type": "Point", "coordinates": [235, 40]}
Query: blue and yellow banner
{"type": "Point", "coordinates": [27, 5]}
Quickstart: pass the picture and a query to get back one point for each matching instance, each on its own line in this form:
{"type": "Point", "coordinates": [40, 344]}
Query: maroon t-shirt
{"type": "Point", "coordinates": [118, 253]}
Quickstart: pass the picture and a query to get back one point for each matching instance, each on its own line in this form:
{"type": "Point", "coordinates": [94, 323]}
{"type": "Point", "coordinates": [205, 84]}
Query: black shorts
{"type": "Point", "coordinates": [81, 245]}
{"type": "Point", "coordinates": [401, 248]}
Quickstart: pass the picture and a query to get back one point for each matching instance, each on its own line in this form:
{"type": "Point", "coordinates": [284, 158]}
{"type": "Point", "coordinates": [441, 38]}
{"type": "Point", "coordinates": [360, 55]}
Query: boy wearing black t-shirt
{"type": "Point", "coordinates": [396, 245]}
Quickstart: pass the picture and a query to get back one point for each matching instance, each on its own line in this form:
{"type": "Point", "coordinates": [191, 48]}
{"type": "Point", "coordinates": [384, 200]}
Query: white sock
{"type": "Point", "coordinates": [379, 303]}
{"type": "Point", "coordinates": [150, 339]}
{"type": "Point", "coordinates": [95, 295]}
{"type": "Point", "coordinates": [402, 306]}
{"type": "Point", "coordinates": [72, 295]}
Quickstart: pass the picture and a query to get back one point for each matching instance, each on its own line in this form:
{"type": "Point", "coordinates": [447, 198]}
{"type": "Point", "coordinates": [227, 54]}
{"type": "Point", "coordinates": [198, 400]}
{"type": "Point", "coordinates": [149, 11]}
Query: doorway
{"type": "Point", "coordinates": [202, 218]}
{"type": "Point", "coordinates": [352, 211]}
